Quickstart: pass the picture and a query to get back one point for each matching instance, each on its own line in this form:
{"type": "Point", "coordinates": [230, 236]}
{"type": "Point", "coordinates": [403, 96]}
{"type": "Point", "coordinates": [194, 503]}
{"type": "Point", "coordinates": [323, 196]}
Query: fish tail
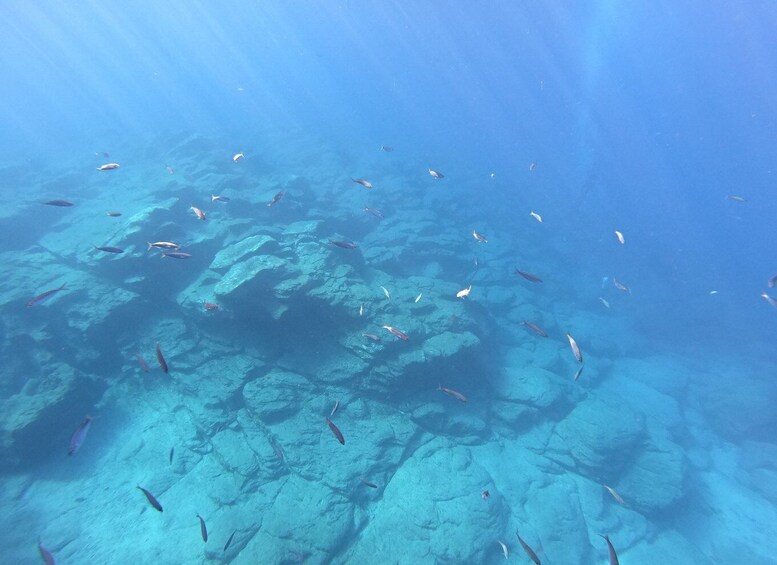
{"type": "Point", "coordinates": [149, 246]}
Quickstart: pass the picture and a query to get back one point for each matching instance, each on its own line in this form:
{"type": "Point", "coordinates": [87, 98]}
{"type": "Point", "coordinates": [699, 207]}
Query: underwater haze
{"type": "Point", "coordinates": [388, 282]}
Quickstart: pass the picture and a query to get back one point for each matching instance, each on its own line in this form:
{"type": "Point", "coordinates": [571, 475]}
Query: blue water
{"type": "Point", "coordinates": [657, 120]}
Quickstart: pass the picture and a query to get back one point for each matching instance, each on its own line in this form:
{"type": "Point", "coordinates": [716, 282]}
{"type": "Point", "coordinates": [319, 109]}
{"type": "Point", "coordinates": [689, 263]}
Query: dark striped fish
{"type": "Point", "coordinates": [611, 550]}
{"type": "Point", "coordinates": [46, 555]}
{"type": "Point", "coordinates": [575, 348]}
{"type": "Point", "coordinates": [578, 372]}
{"type": "Point", "coordinates": [77, 440]}
{"type": "Point", "coordinates": [112, 214]}
{"type": "Point", "coordinates": [368, 483]}
{"type": "Point", "coordinates": [535, 328]}
{"type": "Point", "coordinates": [172, 452]}
{"type": "Point", "coordinates": [161, 359]}
{"type": "Point", "coordinates": [529, 551]}
{"type": "Point", "coordinates": [203, 529]}
{"type": "Point", "coordinates": [276, 199]}
{"type": "Point", "coordinates": [59, 203]}
{"type": "Point", "coordinates": [229, 541]}
{"type": "Point", "coordinates": [772, 282]}
{"type": "Point", "coordinates": [109, 249]}
{"type": "Point", "coordinates": [336, 431]}
{"type": "Point", "coordinates": [41, 297]}
{"type": "Point", "coordinates": [344, 244]}
{"type": "Point", "coordinates": [142, 363]}
{"type": "Point", "coordinates": [151, 499]}
{"type": "Point", "coordinates": [455, 394]}
{"type": "Point", "coordinates": [177, 255]}
{"type": "Point", "coordinates": [528, 276]}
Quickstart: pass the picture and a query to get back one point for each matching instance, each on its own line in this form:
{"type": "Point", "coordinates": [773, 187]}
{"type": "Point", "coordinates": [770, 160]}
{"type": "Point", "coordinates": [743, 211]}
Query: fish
{"type": "Point", "coordinates": [618, 498]}
{"type": "Point", "coordinates": [197, 212]}
{"type": "Point", "coordinates": [485, 495]}
{"type": "Point", "coordinates": [620, 237]}
{"type": "Point", "coordinates": [436, 174]}
{"type": "Point", "coordinates": [59, 203]}
{"type": "Point", "coordinates": [203, 529]}
{"type": "Point", "coordinates": [610, 549]}
{"type": "Point", "coordinates": [504, 548]}
{"type": "Point", "coordinates": [44, 296]}
{"type": "Point", "coordinates": [344, 244]}
{"type": "Point", "coordinates": [142, 363]}
{"type": "Point", "coordinates": [528, 276]}
{"type": "Point", "coordinates": [400, 334]}
{"type": "Point", "coordinates": [112, 214]}
{"type": "Point", "coordinates": [769, 299]}
{"type": "Point", "coordinates": [172, 452]}
{"type": "Point", "coordinates": [177, 255]}
{"type": "Point", "coordinates": [529, 551]}
{"type": "Point", "coordinates": [108, 167]}
{"type": "Point", "coordinates": [110, 249]}
{"type": "Point", "coordinates": [217, 198]}
{"type": "Point", "coordinates": [575, 348]}
{"type": "Point", "coordinates": [373, 337]}
{"type": "Point", "coordinates": [336, 431]}
{"type": "Point", "coordinates": [536, 216]}
{"type": "Point", "coordinates": [386, 148]}
{"type": "Point", "coordinates": [210, 306]}
{"type": "Point", "coordinates": [237, 156]}
{"type": "Point", "coordinates": [276, 198]}
{"type": "Point", "coordinates": [46, 555]}
{"type": "Point", "coordinates": [532, 166]}
{"type": "Point", "coordinates": [772, 282]}
{"type": "Point", "coordinates": [364, 183]}
{"type": "Point", "coordinates": [578, 373]}
{"type": "Point", "coordinates": [229, 541]}
{"type": "Point", "coordinates": [334, 408]}
{"type": "Point", "coordinates": [374, 211]}
{"type": "Point", "coordinates": [736, 198]}
{"type": "Point", "coordinates": [151, 498]}
{"type": "Point", "coordinates": [170, 170]}
{"type": "Point", "coordinates": [367, 483]}
{"type": "Point", "coordinates": [463, 293]}
{"type": "Point", "coordinates": [361, 310]}
{"type": "Point", "coordinates": [78, 437]}
{"type": "Point", "coordinates": [535, 328]}
{"type": "Point", "coordinates": [475, 262]}
{"type": "Point", "coordinates": [163, 245]}
{"type": "Point", "coordinates": [455, 394]}
{"type": "Point", "coordinates": [480, 237]}
{"type": "Point", "coordinates": [386, 292]}
{"type": "Point", "coordinates": [603, 301]}
{"type": "Point", "coordinates": [161, 359]}
{"type": "Point", "coordinates": [417, 298]}
{"type": "Point", "coordinates": [620, 286]}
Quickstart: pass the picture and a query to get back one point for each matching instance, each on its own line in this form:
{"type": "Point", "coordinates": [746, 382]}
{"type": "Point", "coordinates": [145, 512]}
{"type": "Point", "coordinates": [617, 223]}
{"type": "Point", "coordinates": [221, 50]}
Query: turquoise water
{"type": "Point", "coordinates": [291, 418]}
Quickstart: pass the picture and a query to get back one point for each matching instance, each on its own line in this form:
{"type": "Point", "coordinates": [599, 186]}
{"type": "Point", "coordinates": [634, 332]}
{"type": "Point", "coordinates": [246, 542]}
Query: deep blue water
{"type": "Point", "coordinates": [646, 118]}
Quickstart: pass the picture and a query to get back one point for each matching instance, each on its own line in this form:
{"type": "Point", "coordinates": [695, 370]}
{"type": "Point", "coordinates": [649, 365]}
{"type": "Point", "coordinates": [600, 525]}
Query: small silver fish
{"type": "Point", "coordinates": [386, 292]}
{"type": "Point", "coordinates": [575, 348]}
